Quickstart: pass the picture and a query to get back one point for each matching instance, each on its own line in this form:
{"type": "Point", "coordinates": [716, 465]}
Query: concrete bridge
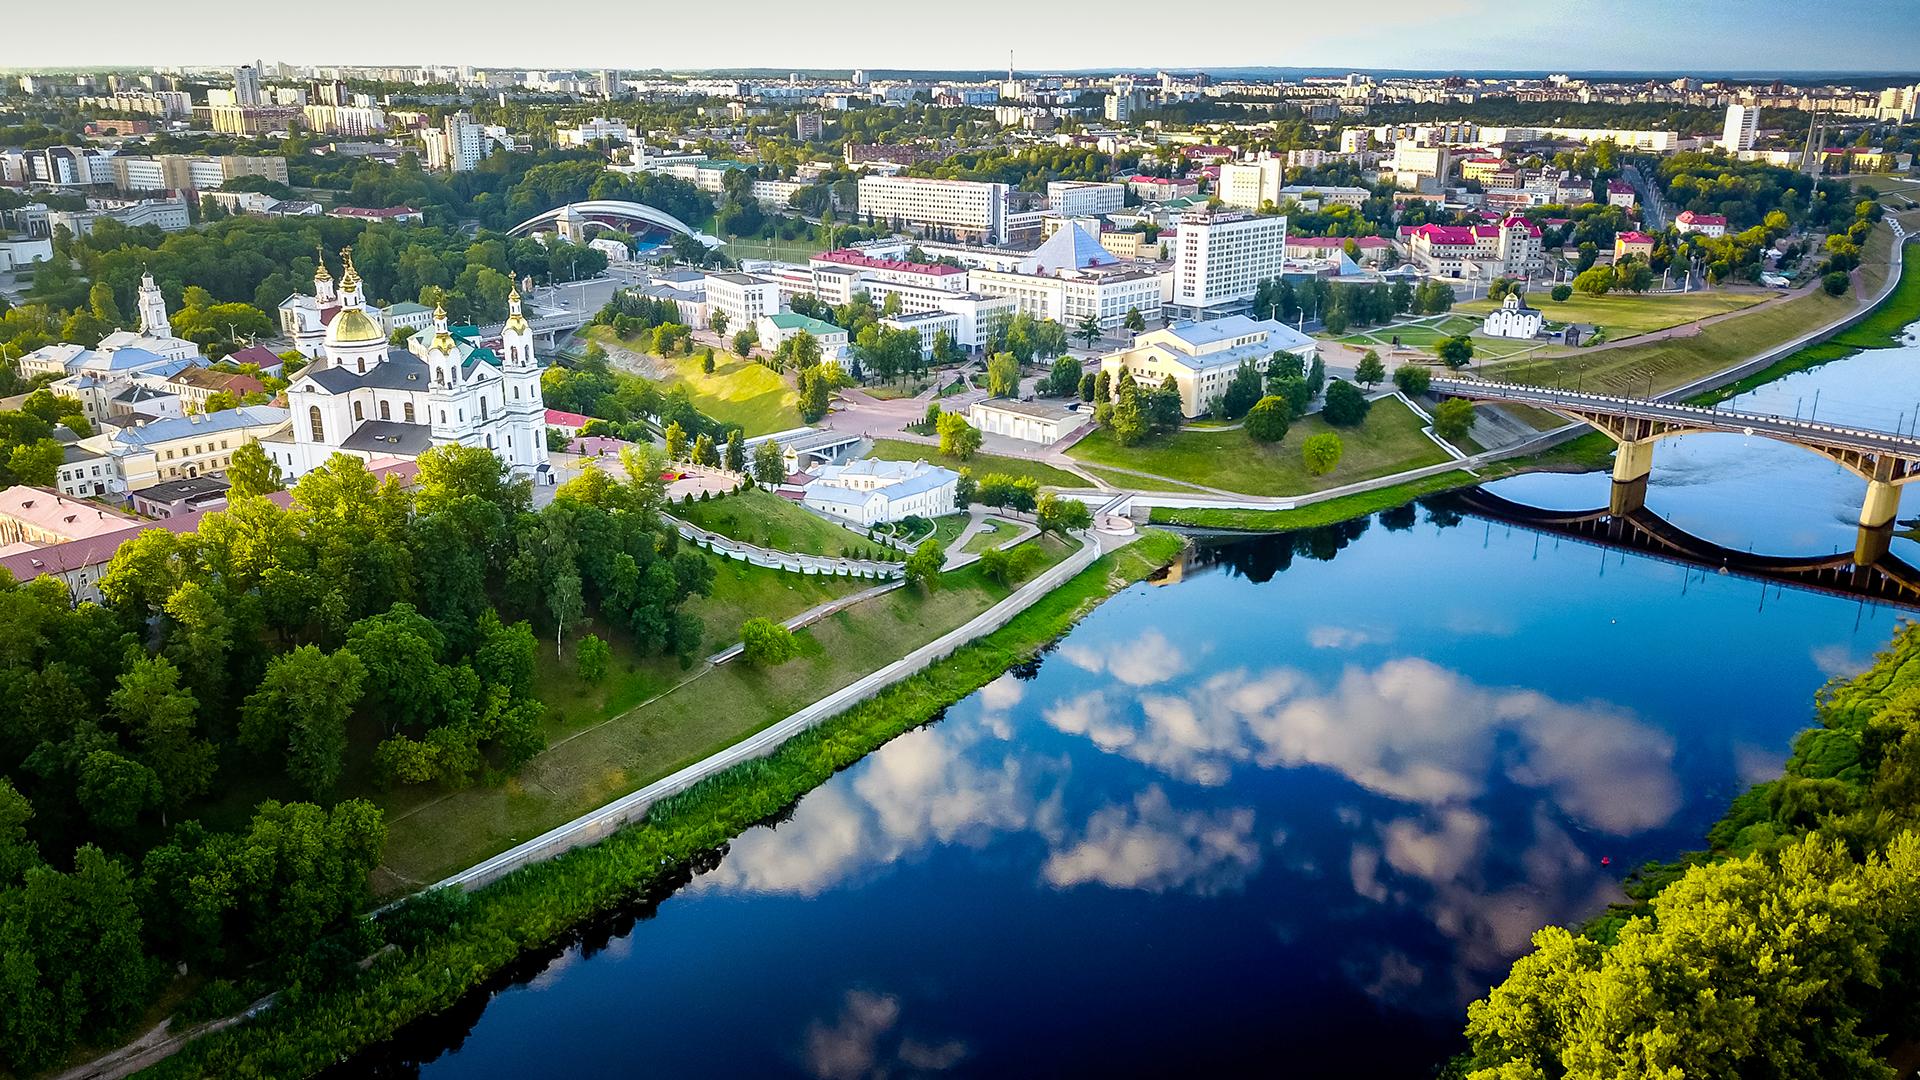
{"type": "Point", "coordinates": [1885, 460]}
{"type": "Point", "coordinates": [1890, 579]}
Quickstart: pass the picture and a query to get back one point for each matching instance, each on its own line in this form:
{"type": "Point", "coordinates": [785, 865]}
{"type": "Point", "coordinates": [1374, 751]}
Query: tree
{"type": "Point", "coordinates": [1346, 405]}
{"type": "Point", "coordinates": [1164, 408]}
{"type": "Point", "coordinates": [1597, 281]}
{"type": "Point", "coordinates": [160, 716]}
{"type": "Point", "coordinates": [769, 464]}
{"type": "Point", "coordinates": [36, 463]}
{"type": "Point", "coordinates": [1316, 376]}
{"type": "Point", "coordinates": [1634, 276]}
{"type": "Point", "coordinates": [744, 341]}
{"type": "Point", "coordinates": [765, 643]}
{"type": "Point", "coordinates": [816, 389]}
{"type": "Point", "coordinates": [923, 566]}
{"type": "Point", "coordinates": [958, 439]}
{"type": "Point", "coordinates": [301, 709]}
{"type": "Point", "coordinates": [1321, 452]}
{"type": "Point", "coordinates": [1836, 283]}
{"type": "Point", "coordinates": [1088, 331]}
{"type": "Point", "coordinates": [1243, 390]}
{"type": "Point", "coordinates": [251, 472]}
{"type": "Point", "coordinates": [717, 322]}
{"type": "Point", "coordinates": [1369, 372]}
{"type": "Point", "coordinates": [736, 451]}
{"type": "Point", "coordinates": [1064, 380]}
{"type": "Point", "coordinates": [1412, 379]}
{"type": "Point", "coordinates": [706, 361]}
{"type": "Point", "coordinates": [1453, 418]}
{"type": "Point", "coordinates": [590, 656]}
{"type": "Point", "coordinates": [1009, 565]}
{"type": "Point", "coordinates": [1561, 293]}
{"type": "Point", "coordinates": [676, 437]}
{"type": "Point", "coordinates": [1456, 352]}
{"type": "Point", "coordinates": [1062, 515]}
{"type": "Point", "coordinates": [704, 452]}
{"type": "Point", "coordinates": [1135, 321]}
{"type": "Point", "coordinates": [1269, 420]}
{"type": "Point", "coordinates": [1003, 375]}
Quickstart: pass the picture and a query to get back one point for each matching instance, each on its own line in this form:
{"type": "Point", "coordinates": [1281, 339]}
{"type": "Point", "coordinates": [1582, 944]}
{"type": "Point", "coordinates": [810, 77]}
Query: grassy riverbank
{"type": "Point", "coordinates": [981, 464]}
{"type": "Point", "coordinates": [758, 516]}
{"type": "Point", "coordinates": [470, 939]}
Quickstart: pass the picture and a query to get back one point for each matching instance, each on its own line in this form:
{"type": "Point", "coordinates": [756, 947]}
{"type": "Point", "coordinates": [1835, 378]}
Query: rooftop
{"type": "Point", "coordinates": [850, 257]}
{"type": "Point", "coordinates": [53, 513]}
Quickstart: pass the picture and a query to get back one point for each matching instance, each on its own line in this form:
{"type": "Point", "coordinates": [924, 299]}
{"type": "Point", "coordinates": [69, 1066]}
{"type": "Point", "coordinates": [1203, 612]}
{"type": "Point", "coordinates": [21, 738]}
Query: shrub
{"type": "Point", "coordinates": [1562, 293]}
{"type": "Point", "coordinates": [1269, 419]}
{"type": "Point", "coordinates": [765, 643]}
{"type": "Point", "coordinates": [1836, 283]}
{"type": "Point", "coordinates": [590, 658]}
{"type": "Point", "coordinates": [1322, 452]}
{"type": "Point", "coordinates": [1412, 379]}
{"type": "Point", "coordinates": [1346, 405]}
{"type": "Point", "coordinates": [1453, 418]}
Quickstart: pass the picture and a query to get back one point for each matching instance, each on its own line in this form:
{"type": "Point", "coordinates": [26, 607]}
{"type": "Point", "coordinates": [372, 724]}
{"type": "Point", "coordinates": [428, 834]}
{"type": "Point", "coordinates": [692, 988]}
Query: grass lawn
{"type": "Point", "coordinates": [1137, 483]}
{"type": "Point", "coordinates": [947, 527]}
{"type": "Point", "coordinates": [699, 717]}
{"type": "Point", "coordinates": [1316, 514]}
{"type": "Point", "coordinates": [1624, 314]}
{"type": "Point", "coordinates": [1389, 441]}
{"type": "Point", "coordinates": [756, 516]}
{"type": "Point", "coordinates": [1676, 361]}
{"type": "Point", "coordinates": [997, 532]}
{"type": "Point", "coordinates": [738, 392]}
{"type": "Point", "coordinates": [981, 464]}
{"type": "Point", "coordinates": [893, 391]}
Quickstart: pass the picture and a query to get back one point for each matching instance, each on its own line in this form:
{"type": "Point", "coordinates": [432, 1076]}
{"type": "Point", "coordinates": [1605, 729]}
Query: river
{"type": "Point", "coordinates": [1289, 810]}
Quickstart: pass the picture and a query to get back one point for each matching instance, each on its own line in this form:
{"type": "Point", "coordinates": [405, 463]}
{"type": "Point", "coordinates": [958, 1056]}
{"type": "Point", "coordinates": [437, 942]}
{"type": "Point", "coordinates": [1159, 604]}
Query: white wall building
{"type": "Point", "coordinates": [1249, 184]}
{"type": "Point", "coordinates": [1202, 357]}
{"type": "Point", "coordinates": [1221, 258]}
{"type": "Point", "coordinates": [363, 398]}
{"type": "Point", "coordinates": [743, 298]}
{"type": "Point", "coordinates": [1742, 126]}
{"type": "Point", "coordinates": [1042, 423]}
{"type": "Point", "coordinates": [1514, 318]}
{"type": "Point", "coordinates": [969, 209]}
{"type": "Point", "coordinates": [870, 492]}
{"type": "Point", "coordinates": [1085, 198]}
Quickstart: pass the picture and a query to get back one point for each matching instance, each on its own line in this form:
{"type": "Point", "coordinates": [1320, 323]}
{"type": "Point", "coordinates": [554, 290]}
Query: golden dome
{"type": "Point", "coordinates": [353, 327]}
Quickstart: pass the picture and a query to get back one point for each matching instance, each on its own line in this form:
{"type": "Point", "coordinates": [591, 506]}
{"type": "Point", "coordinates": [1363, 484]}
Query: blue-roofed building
{"type": "Point", "coordinates": [1203, 356]}
{"type": "Point", "coordinates": [870, 492]}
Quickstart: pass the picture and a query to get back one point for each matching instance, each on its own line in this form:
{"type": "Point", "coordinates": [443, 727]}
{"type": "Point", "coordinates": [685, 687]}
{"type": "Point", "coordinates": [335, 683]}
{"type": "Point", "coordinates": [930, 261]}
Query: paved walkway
{"type": "Point", "coordinates": [979, 515]}
{"type": "Point", "coordinates": [812, 615]}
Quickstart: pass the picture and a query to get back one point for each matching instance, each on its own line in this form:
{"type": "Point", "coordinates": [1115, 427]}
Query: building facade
{"type": "Point", "coordinates": [1221, 258]}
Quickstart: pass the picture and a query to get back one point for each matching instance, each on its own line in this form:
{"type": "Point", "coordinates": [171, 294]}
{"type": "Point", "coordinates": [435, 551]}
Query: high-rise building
{"type": "Point", "coordinates": [246, 85]}
{"type": "Point", "coordinates": [1250, 184]}
{"type": "Point", "coordinates": [1743, 123]}
{"type": "Point", "coordinates": [1221, 257]}
{"type": "Point", "coordinates": [965, 209]}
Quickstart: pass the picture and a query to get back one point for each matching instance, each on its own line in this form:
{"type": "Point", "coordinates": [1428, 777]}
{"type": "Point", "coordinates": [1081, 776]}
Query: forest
{"type": "Point", "coordinates": [178, 764]}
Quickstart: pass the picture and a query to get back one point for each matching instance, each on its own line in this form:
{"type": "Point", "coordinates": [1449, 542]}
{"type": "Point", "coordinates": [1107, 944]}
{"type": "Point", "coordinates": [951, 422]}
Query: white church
{"type": "Point", "coordinates": [1514, 318]}
{"type": "Point", "coordinates": [361, 396]}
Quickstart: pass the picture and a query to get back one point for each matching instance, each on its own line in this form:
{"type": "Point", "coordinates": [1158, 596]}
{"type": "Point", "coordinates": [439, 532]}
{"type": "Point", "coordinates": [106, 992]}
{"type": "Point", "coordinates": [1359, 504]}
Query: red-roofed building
{"type": "Point", "coordinates": [1620, 193]}
{"type": "Point", "coordinates": [1210, 153]}
{"type": "Point", "coordinates": [266, 359]}
{"type": "Point", "coordinates": [568, 423]}
{"type": "Point", "coordinates": [898, 271]}
{"type": "Point", "coordinates": [1705, 224]}
{"type": "Point", "coordinates": [399, 215]}
{"type": "Point", "coordinates": [1509, 248]}
{"type": "Point", "coordinates": [1627, 245]}
{"type": "Point", "coordinates": [1161, 189]}
{"type": "Point", "coordinates": [1369, 249]}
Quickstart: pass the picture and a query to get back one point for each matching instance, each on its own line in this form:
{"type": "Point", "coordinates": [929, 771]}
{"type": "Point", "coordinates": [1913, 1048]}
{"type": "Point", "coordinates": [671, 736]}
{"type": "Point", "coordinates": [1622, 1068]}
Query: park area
{"type": "Point", "coordinates": [654, 718]}
{"type": "Point", "coordinates": [739, 391]}
{"type": "Point", "coordinates": [1626, 314]}
{"type": "Point", "coordinates": [1390, 440]}
{"type": "Point", "coordinates": [759, 517]}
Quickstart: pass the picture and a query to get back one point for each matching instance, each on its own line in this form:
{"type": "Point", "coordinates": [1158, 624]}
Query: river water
{"type": "Point", "coordinates": [1300, 803]}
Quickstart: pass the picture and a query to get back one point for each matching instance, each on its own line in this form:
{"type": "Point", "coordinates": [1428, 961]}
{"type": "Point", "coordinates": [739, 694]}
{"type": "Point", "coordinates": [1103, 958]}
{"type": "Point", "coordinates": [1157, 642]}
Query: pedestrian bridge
{"type": "Point", "coordinates": [1885, 460]}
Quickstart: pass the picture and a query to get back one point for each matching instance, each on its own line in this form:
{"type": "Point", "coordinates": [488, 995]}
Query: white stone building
{"type": "Point", "coordinates": [364, 398]}
{"type": "Point", "coordinates": [1221, 258]}
{"type": "Point", "coordinates": [870, 492]}
{"type": "Point", "coordinates": [1514, 318]}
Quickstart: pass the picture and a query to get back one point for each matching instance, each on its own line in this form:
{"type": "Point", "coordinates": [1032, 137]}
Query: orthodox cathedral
{"type": "Point", "coordinates": [363, 397]}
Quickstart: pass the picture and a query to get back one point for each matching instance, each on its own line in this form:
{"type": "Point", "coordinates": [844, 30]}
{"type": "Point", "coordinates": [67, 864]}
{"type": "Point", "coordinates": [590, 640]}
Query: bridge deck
{"type": "Point", "coordinates": [1689, 416]}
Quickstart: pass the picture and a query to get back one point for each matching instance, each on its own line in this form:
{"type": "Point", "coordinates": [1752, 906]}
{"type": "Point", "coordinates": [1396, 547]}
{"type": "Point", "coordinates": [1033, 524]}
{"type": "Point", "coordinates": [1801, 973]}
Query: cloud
{"type": "Point", "coordinates": [1836, 660]}
{"type": "Point", "coordinates": [861, 1044]}
{"type": "Point", "coordinates": [1144, 661]}
{"type": "Point", "coordinates": [1344, 637]}
{"type": "Point", "coordinates": [1153, 847]}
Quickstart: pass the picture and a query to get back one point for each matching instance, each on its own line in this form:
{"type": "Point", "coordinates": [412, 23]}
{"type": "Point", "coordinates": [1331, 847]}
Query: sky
{"type": "Point", "coordinates": [1703, 36]}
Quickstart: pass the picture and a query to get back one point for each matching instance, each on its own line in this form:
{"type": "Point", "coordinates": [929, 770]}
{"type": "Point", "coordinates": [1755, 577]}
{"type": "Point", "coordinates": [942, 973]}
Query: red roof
{"type": "Point", "coordinates": [1339, 241]}
{"type": "Point", "coordinates": [1516, 221]}
{"type": "Point", "coordinates": [1209, 151]}
{"type": "Point", "coordinates": [1619, 187]}
{"type": "Point", "coordinates": [566, 419]}
{"type": "Point", "coordinates": [850, 257]}
{"type": "Point", "coordinates": [372, 212]}
{"type": "Point", "coordinates": [1688, 217]}
{"type": "Point", "coordinates": [256, 354]}
{"type": "Point", "coordinates": [1443, 234]}
{"type": "Point", "coordinates": [1633, 238]}
{"type": "Point", "coordinates": [1154, 180]}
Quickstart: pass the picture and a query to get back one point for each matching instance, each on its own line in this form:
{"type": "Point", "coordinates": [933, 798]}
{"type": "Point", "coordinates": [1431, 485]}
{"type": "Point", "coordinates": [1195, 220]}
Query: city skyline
{"type": "Point", "coordinates": [1720, 36]}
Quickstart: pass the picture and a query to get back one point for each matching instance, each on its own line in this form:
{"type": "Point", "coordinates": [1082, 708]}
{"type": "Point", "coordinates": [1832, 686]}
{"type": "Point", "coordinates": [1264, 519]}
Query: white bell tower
{"type": "Point", "coordinates": [153, 309]}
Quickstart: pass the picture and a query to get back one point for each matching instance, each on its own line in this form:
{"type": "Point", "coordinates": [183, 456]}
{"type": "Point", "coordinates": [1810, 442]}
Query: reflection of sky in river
{"type": "Point", "coordinates": [1756, 493]}
{"type": "Point", "coordinates": [1303, 805]}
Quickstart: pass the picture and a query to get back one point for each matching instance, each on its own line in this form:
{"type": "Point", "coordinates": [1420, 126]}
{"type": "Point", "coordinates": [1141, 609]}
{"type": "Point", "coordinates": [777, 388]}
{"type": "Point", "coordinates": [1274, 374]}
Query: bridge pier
{"type": "Point", "coordinates": [1877, 514]}
{"type": "Point", "coordinates": [1632, 462]}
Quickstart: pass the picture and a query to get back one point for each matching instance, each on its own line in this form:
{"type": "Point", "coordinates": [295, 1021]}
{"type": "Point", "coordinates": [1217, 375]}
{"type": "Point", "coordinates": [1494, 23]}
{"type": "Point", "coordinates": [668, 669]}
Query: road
{"type": "Point", "coordinates": [1652, 211]}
